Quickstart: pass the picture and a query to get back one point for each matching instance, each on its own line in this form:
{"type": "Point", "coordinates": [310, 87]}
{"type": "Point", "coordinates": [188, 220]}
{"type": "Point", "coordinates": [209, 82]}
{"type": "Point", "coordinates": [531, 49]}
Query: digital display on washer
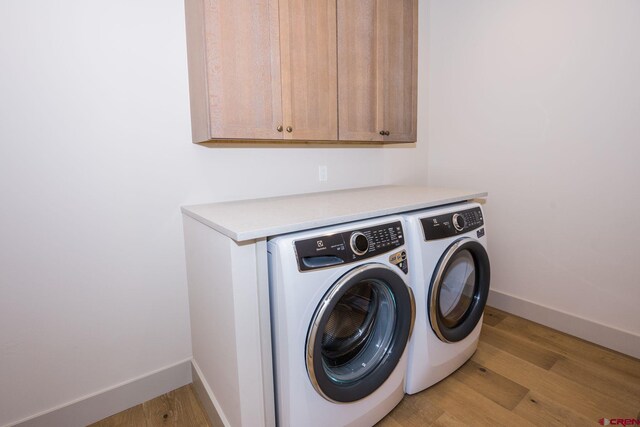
{"type": "Point", "coordinates": [451, 224]}
{"type": "Point", "coordinates": [349, 246]}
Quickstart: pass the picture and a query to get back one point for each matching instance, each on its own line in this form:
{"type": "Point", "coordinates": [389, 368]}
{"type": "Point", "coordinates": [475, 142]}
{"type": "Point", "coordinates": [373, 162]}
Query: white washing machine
{"type": "Point", "coordinates": [450, 276]}
{"type": "Point", "coordinates": [341, 313]}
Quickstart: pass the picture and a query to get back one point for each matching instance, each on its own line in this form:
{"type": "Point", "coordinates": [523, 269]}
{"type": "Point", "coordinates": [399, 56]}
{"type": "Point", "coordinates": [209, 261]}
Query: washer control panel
{"type": "Point", "coordinates": [451, 224]}
{"type": "Point", "coordinates": [350, 246]}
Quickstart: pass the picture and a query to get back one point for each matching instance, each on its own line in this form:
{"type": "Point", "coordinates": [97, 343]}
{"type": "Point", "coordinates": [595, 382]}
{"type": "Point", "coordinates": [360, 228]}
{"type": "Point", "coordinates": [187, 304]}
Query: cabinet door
{"type": "Point", "coordinates": [239, 92]}
{"type": "Point", "coordinates": [399, 33]}
{"type": "Point", "coordinates": [309, 69]}
{"type": "Point", "coordinates": [359, 71]}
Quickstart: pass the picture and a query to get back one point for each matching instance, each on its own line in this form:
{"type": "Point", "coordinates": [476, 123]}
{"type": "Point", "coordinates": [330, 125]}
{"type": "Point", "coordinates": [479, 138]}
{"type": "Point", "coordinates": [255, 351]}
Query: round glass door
{"type": "Point", "coordinates": [358, 333]}
{"type": "Point", "coordinates": [459, 290]}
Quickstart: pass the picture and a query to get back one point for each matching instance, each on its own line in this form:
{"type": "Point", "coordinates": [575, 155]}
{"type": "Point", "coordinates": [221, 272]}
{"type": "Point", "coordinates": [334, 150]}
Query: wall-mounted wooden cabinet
{"type": "Point", "coordinates": [275, 70]}
{"type": "Point", "coordinates": [234, 69]}
{"type": "Point", "coordinates": [378, 70]}
{"type": "Point", "coordinates": [309, 70]}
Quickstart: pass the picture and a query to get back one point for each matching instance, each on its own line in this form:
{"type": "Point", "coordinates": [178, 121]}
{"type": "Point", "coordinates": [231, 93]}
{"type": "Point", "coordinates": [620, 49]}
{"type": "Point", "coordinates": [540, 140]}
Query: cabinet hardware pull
{"type": "Point", "coordinates": [279, 128]}
{"type": "Point", "coordinates": [289, 129]}
{"type": "Point", "coordinates": [382, 132]}
{"type": "Point", "coordinates": [386, 132]}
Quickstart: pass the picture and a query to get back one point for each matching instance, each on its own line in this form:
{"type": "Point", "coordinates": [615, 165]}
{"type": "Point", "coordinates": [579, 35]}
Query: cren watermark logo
{"type": "Point", "coordinates": [619, 421]}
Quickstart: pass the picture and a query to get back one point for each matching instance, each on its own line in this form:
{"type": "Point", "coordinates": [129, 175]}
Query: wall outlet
{"type": "Point", "coordinates": [322, 173]}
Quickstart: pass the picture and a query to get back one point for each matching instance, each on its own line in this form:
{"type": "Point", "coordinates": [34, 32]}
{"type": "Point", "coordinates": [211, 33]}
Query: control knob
{"type": "Point", "coordinates": [359, 243]}
{"type": "Point", "coordinates": [458, 222]}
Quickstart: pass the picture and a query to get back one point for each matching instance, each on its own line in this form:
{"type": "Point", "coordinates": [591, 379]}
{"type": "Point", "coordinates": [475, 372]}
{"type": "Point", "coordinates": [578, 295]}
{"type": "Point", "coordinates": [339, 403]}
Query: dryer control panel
{"type": "Point", "coordinates": [451, 224]}
{"type": "Point", "coordinates": [350, 246]}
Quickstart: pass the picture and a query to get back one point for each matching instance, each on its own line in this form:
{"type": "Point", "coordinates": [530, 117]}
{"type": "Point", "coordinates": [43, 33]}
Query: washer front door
{"type": "Point", "coordinates": [359, 332]}
{"type": "Point", "coordinates": [459, 290]}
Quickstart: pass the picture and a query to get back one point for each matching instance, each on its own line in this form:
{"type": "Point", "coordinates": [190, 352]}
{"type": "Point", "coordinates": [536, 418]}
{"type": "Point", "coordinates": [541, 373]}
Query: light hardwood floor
{"type": "Point", "coordinates": [178, 408]}
{"type": "Point", "coordinates": [522, 374]}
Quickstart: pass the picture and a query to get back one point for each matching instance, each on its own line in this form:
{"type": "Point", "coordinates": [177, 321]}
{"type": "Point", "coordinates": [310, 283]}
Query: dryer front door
{"type": "Point", "coordinates": [459, 290]}
{"type": "Point", "coordinates": [359, 332]}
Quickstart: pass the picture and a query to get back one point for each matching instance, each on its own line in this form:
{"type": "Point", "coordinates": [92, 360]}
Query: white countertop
{"type": "Point", "coordinates": [258, 218]}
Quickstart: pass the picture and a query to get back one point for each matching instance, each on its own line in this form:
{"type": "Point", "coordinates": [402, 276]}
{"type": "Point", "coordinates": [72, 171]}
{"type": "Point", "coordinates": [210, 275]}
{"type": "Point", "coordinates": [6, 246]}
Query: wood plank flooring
{"type": "Point", "coordinates": [178, 408]}
{"type": "Point", "coordinates": [523, 373]}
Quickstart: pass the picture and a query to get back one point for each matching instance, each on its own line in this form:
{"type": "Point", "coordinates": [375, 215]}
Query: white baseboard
{"type": "Point", "coordinates": [206, 398]}
{"type": "Point", "coordinates": [105, 403]}
{"type": "Point", "coordinates": [623, 341]}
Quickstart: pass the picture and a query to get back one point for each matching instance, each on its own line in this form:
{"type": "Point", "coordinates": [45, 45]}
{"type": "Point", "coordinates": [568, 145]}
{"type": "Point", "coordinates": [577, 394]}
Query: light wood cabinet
{"type": "Point", "coordinates": [309, 69]}
{"type": "Point", "coordinates": [304, 70]}
{"type": "Point", "coordinates": [359, 65]}
{"type": "Point", "coordinates": [262, 69]}
{"type": "Point", "coordinates": [377, 70]}
{"type": "Point", "coordinates": [234, 69]}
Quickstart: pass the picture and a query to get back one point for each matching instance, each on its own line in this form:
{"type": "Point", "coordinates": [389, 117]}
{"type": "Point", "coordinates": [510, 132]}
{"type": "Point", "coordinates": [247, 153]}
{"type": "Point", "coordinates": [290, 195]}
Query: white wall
{"type": "Point", "coordinates": [538, 102]}
{"type": "Point", "coordinates": [95, 161]}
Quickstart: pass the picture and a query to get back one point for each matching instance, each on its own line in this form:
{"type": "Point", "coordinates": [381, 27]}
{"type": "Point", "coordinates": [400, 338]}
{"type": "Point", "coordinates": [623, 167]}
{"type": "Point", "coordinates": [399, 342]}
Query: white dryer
{"type": "Point", "coordinates": [450, 277]}
{"type": "Point", "coordinates": [341, 313]}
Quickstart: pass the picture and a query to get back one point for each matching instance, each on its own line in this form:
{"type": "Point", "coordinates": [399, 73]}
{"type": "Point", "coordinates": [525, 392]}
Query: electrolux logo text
{"type": "Point", "coordinates": [619, 421]}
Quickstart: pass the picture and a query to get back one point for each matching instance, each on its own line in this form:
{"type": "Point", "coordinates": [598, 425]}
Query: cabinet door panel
{"type": "Point", "coordinates": [359, 71]}
{"type": "Point", "coordinates": [243, 68]}
{"type": "Point", "coordinates": [309, 69]}
{"type": "Point", "coordinates": [400, 36]}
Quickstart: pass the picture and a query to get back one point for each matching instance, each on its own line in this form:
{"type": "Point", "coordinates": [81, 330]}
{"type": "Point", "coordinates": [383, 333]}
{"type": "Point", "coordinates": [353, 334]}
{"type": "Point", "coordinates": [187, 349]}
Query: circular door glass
{"type": "Point", "coordinates": [457, 289]}
{"type": "Point", "coordinates": [360, 328]}
{"type": "Point", "coordinates": [358, 333]}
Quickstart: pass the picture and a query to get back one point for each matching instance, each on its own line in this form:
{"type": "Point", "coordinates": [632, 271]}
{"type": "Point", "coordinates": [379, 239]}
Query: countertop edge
{"type": "Point", "coordinates": [241, 237]}
{"type": "Point", "coordinates": [227, 232]}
